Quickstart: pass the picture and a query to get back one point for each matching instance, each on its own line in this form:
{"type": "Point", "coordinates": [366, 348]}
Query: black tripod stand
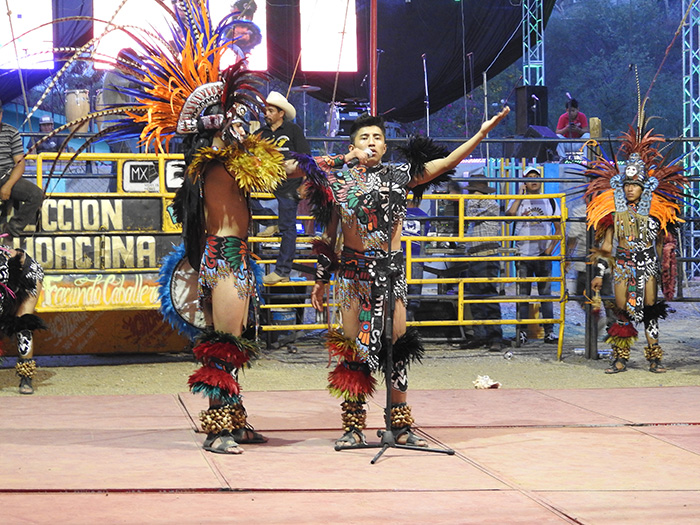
{"type": "Point", "coordinates": [386, 270]}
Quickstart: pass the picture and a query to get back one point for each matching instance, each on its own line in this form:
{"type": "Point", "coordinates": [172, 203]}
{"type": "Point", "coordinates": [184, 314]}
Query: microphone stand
{"type": "Point", "coordinates": [387, 435]}
{"type": "Point", "coordinates": [427, 102]}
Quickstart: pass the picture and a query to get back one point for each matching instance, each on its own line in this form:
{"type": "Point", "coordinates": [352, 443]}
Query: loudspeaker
{"type": "Point", "coordinates": [531, 107]}
{"type": "Point", "coordinates": [533, 149]}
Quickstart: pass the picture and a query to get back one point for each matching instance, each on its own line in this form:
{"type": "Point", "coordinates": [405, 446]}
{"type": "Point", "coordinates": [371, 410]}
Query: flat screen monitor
{"type": "Point", "coordinates": [328, 35]}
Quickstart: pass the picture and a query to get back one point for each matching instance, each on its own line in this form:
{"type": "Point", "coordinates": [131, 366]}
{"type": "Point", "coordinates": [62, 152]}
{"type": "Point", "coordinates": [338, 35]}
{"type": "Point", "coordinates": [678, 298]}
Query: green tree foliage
{"type": "Point", "coordinates": [590, 46]}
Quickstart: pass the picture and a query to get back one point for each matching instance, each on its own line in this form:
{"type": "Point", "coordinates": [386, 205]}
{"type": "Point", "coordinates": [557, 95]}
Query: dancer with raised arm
{"type": "Point", "coordinates": [359, 201]}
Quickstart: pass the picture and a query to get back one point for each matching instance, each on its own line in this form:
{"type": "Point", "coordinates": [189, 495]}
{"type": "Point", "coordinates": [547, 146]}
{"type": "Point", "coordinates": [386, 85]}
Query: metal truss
{"type": "Point", "coordinates": [691, 129]}
{"type": "Point", "coordinates": [533, 42]}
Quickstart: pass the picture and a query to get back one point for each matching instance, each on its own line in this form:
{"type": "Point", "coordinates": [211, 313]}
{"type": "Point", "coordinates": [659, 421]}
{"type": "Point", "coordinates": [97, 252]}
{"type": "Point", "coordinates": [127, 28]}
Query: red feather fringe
{"type": "Point", "coordinates": [226, 352]}
{"type": "Point", "coordinates": [340, 347]}
{"type": "Point", "coordinates": [622, 330]}
{"type": "Point", "coordinates": [350, 383]}
{"type": "Point", "coordinates": [215, 377]}
{"type": "Point", "coordinates": [606, 222]}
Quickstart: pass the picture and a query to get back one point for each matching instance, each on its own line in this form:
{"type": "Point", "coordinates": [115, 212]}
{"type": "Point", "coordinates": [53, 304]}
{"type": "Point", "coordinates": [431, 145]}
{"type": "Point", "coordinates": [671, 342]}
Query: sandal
{"type": "Point", "coordinates": [411, 438]}
{"type": "Point", "coordinates": [25, 385]}
{"type": "Point", "coordinates": [226, 445]}
{"type": "Point", "coordinates": [248, 436]}
{"type": "Point", "coordinates": [656, 367]}
{"type": "Point", "coordinates": [614, 368]}
{"type": "Point", "coordinates": [350, 440]}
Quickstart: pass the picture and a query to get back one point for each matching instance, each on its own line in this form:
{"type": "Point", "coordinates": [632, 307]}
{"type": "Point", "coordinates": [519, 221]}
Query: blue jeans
{"type": "Point", "coordinates": [287, 225]}
{"type": "Point", "coordinates": [535, 269]}
{"type": "Point", "coordinates": [484, 311]}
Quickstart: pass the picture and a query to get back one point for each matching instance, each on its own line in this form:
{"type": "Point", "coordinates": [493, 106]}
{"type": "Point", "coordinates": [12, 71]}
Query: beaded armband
{"type": "Point", "coordinates": [601, 267]}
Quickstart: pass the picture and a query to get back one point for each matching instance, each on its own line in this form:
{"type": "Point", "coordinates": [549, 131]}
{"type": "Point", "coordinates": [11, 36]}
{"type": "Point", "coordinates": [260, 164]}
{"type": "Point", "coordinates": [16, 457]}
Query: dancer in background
{"type": "Point", "coordinates": [634, 213]}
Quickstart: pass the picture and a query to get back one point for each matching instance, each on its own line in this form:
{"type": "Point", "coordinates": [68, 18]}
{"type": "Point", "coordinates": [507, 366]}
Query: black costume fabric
{"type": "Point", "coordinates": [18, 280]}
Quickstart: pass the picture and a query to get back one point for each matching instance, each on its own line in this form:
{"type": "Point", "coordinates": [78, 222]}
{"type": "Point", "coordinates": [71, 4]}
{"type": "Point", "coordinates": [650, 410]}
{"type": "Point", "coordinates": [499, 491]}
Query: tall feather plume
{"type": "Point", "coordinates": [162, 78]}
{"type": "Point", "coordinates": [640, 105]}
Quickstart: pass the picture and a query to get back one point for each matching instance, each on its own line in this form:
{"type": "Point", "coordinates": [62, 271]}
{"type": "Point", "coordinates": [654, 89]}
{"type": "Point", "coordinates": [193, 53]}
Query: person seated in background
{"type": "Point", "coordinates": [15, 190]}
{"type": "Point", "coordinates": [48, 146]}
{"type": "Point", "coordinates": [572, 124]}
{"type": "Point", "coordinates": [288, 137]}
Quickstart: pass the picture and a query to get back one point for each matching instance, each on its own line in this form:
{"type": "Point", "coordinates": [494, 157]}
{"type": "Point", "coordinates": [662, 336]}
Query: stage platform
{"type": "Point", "coordinates": [521, 456]}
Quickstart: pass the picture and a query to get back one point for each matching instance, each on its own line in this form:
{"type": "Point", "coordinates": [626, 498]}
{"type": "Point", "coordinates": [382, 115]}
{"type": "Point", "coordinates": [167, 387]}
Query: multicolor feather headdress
{"type": "Point", "coordinates": [662, 181]}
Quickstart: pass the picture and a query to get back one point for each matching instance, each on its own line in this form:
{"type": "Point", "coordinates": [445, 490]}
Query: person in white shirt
{"type": "Point", "coordinates": [535, 206]}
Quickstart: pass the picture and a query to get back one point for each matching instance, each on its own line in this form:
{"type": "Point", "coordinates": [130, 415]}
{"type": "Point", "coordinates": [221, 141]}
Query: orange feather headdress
{"type": "Point", "coordinates": [173, 80]}
{"type": "Point", "coordinates": [663, 181]}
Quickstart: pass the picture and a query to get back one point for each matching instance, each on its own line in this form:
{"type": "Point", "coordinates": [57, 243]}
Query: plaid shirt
{"type": "Point", "coordinates": [476, 228]}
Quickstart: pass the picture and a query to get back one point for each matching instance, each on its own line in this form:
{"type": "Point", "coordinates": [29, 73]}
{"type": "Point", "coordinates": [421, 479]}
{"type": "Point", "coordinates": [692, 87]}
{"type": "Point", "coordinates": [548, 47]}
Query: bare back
{"type": "Point", "coordinates": [225, 207]}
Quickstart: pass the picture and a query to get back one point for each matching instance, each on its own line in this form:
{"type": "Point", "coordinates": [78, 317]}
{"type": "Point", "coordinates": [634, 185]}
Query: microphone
{"type": "Point", "coordinates": [535, 97]}
{"type": "Point", "coordinates": [355, 161]}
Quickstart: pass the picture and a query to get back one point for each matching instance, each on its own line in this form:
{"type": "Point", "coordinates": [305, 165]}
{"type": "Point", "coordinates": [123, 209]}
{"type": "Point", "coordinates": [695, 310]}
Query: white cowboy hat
{"type": "Point", "coordinates": [279, 101]}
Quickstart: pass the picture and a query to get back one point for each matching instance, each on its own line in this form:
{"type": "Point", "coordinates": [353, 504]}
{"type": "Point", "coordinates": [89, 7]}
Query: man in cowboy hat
{"type": "Point", "coordinates": [279, 114]}
{"type": "Point", "coordinates": [487, 334]}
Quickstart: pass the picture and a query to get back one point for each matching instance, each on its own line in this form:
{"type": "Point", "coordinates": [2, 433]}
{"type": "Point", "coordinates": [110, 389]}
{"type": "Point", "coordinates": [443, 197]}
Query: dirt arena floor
{"type": "Point", "coordinates": [446, 366]}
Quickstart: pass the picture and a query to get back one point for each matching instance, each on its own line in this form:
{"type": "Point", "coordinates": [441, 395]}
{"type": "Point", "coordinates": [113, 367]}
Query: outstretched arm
{"type": "Point", "coordinates": [437, 167]}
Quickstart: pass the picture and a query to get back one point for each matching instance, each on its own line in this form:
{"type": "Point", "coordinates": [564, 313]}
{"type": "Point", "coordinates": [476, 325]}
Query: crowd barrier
{"type": "Point", "coordinates": [106, 226]}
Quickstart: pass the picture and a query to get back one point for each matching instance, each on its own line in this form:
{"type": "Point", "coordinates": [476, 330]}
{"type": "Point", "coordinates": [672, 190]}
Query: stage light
{"type": "Point", "coordinates": [150, 16]}
{"type": "Point", "coordinates": [32, 51]}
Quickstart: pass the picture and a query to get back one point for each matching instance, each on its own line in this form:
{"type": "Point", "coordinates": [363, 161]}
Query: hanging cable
{"type": "Point", "coordinates": [19, 65]}
{"type": "Point", "coordinates": [337, 71]}
{"type": "Point", "coordinates": [464, 72]}
{"type": "Point", "coordinates": [340, 51]}
{"type": "Point", "coordinates": [640, 109]}
{"type": "Point", "coordinates": [504, 46]}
